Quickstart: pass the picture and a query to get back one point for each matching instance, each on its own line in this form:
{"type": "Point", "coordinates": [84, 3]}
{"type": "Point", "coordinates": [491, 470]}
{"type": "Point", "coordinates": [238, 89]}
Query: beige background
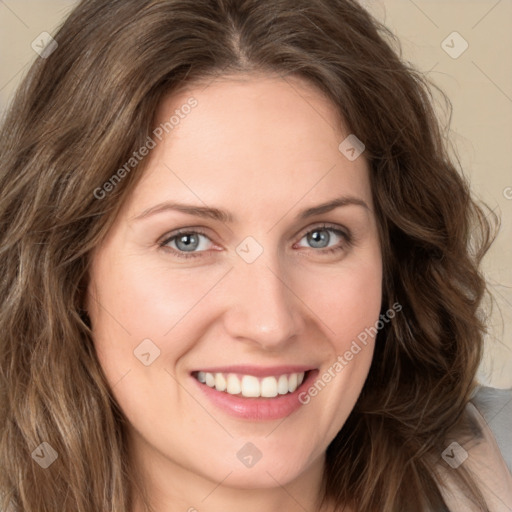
{"type": "Point", "coordinates": [478, 82]}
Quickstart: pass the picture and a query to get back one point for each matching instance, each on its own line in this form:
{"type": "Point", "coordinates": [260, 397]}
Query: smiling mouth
{"type": "Point", "coordinates": [250, 386]}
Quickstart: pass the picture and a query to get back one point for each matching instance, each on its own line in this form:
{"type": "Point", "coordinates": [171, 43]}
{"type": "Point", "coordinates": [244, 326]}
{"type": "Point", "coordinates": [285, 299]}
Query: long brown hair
{"type": "Point", "coordinates": [79, 116]}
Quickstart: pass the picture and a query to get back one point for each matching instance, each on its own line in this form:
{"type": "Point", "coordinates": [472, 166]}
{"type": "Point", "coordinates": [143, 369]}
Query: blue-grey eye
{"type": "Point", "coordinates": [321, 238]}
{"type": "Point", "coordinates": [188, 242]}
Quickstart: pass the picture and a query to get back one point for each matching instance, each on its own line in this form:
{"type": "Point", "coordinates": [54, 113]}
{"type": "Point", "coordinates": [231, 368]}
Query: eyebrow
{"type": "Point", "coordinates": [227, 217]}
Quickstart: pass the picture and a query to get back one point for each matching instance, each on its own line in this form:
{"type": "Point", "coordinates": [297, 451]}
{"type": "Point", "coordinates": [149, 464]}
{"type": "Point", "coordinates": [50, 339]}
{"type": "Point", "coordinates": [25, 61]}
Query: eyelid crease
{"type": "Point", "coordinates": [181, 231]}
{"type": "Point", "coordinates": [327, 226]}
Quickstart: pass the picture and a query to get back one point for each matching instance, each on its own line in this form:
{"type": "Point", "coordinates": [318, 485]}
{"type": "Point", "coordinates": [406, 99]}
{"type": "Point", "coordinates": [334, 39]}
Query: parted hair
{"type": "Point", "coordinates": [79, 115]}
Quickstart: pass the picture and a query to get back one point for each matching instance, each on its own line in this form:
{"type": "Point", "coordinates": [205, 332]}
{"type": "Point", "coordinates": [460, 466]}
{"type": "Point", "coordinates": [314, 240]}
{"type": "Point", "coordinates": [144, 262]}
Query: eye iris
{"type": "Point", "coordinates": [319, 238]}
{"type": "Point", "coordinates": [187, 242]}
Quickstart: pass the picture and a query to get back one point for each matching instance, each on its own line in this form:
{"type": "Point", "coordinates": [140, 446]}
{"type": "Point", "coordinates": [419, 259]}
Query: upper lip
{"type": "Point", "coordinates": [257, 371]}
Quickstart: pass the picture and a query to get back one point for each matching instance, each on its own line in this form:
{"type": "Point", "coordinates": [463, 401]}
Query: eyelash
{"type": "Point", "coordinates": [345, 235]}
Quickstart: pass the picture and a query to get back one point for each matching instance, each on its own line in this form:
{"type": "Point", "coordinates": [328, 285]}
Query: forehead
{"type": "Point", "coordinates": [253, 140]}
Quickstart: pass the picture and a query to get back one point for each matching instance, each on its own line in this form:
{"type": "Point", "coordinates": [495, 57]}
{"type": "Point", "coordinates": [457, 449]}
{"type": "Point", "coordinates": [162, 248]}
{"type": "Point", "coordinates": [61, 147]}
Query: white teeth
{"type": "Point", "coordinates": [210, 380]}
{"type": "Point", "coordinates": [269, 387]}
{"type": "Point", "coordinates": [250, 386]}
{"type": "Point", "coordinates": [292, 382]}
{"type": "Point", "coordinates": [220, 382]}
{"type": "Point", "coordinates": [234, 387]}
{"type": "Point", "coordinates": [282, 385]}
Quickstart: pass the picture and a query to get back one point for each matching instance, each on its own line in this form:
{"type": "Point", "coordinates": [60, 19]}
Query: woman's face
{"type": "Point", "coordinates": [247, 257]}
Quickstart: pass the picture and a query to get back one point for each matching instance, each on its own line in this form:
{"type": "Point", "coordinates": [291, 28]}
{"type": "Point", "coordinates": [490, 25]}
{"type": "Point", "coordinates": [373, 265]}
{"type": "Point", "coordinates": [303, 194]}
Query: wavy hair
{"type": "Point", "coordinates": [80, 114]}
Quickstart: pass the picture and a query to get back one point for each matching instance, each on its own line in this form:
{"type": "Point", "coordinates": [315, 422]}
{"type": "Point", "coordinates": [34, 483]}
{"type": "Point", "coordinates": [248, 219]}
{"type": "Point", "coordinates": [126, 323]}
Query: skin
{"type": "Point", "coordinates": [263, 149]}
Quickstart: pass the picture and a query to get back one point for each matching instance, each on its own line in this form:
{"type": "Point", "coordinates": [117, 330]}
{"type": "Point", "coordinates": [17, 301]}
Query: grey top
{"type": "Point", "coordinates": [495, 405]}
{"type": "Point", "coordinates": [489, 458]}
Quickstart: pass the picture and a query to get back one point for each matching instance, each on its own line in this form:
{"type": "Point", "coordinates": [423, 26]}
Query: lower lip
{"type": "Point", "coordinates": [257, 408]}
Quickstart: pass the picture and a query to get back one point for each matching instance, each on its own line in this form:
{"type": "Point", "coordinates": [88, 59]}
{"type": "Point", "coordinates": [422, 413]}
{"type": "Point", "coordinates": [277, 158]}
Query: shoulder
{"type": "Point", "coordinates": [495, 407]}
{"type": "Point", "coordinates": [484, 450]}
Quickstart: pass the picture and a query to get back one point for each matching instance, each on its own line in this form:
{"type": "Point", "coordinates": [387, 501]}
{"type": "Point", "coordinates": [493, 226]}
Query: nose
{"type": "Point", "coordinates": [263, 308]}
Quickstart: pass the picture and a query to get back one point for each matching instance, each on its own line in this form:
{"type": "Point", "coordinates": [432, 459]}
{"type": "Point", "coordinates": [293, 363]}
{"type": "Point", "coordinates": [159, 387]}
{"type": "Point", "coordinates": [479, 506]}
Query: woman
{"type": "Point", "coordinates": [235, 270]}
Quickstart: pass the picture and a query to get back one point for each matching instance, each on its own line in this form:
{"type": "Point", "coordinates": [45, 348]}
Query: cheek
{"type": "Point", "coordinates": [348, 304]}
{"type": "Point", "coordinates": [135, 301]}
{"type": "Point", "coordinates": [346, 301]}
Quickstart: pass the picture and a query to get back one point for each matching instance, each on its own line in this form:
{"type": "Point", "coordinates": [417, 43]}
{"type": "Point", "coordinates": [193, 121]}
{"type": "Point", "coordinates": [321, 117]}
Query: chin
{"type": "Point", "coordinates": [274, 468]}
